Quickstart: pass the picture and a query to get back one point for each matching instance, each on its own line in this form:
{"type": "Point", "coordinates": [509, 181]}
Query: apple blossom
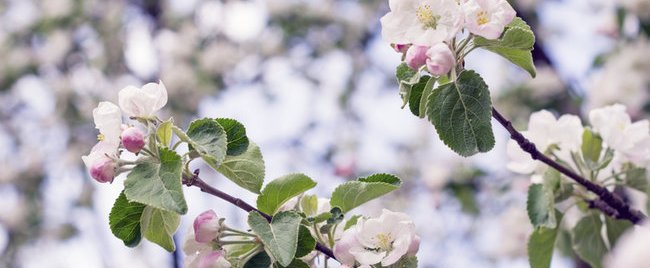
{"type": "Point", "coordinates": [215, 259]}
{"type": "Point", "coordinates": [416, 56]}
{"type": "Point", "coordinates": [425, 22]}
{"type": "Point", "coordinates": [101, 167]}
{"type": "Point", "coordinates": [631, 249]}
{"type": "Point", "coordinates": [143, 102]}
{"type": "Point", "coordinates": [382, 240]}
{"type": "Point", "coordinates": [487, 18]}
{"type": "Point", "coordinates": [207, 226]}
{"type": "Point", "coordinates": [619, 133]}
{"type": "Point", "coordinates": [133, 139]}
{"type": "Point", "coordinates": [108, 119]}
{"type": "Point", "coordinates": [440, 59]}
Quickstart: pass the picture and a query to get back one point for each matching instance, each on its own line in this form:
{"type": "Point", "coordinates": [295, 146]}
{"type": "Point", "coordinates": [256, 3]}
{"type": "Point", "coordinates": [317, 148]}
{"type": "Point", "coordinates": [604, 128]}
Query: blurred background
{"type": "Point", "coordinates": [314, 84]}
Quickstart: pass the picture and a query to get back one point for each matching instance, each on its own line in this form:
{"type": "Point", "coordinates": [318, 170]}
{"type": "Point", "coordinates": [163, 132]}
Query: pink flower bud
{"type": "Point", "coordinates": [207, 227]}
{"type": "Point", "coordinates": [401, 48]}
{"type": "Point", "coordinates": [103, 170]}
{"type": "Point", "coordinates": [416, 56]}
{"type": "Point", "coordinates": [215, 259]}
{"type": "Point", "coordinates": [414, 246]}
{"type": "Point", "coordinates": [133, 139]}
{"type": "Point", "coordinates": [440, 59]}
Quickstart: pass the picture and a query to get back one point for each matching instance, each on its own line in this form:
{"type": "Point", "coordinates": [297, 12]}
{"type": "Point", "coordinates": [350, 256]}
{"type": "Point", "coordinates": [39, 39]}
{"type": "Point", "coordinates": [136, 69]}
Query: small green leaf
{"type": "Point", "coordinates": [405, 74]}
{"type": "Point", "coordinates": [461, 112]}
{"type": "Point", "coordinates": [615, 228]}
{"type": "Point", "coordinates": [426, 92]}
{"type": "Point", "coordinates": [164, 132]}
{"type": "Point", "coordinates": [209, 140]}
{"type": "Point", "coordinates": [351, 222]}
{"type": "Point", "coordinates": [124, 220]}
{"type": "Point", "coordinates": [280, 190]}
{"type": "Point", "coordinates": [521, 58]}
{"type": "Point", "coordinates": [296, 263]}
{"type": "Point", "coordinates": [416, 94]}
{"type": "Point", "coordinates": [587, 240]}
{"type": "Point", "coordinates": [245, 169]}
{"type": "Point", "coordinates": [236, 133]}
{"type": "Point", "coordinates": [158, 184]}
{"type": "Point", "coordinates": [637, 178]}
{"type": "Point", "coordinates": [592, 145]}
{"type": "Point", "coordinates": [515, 44]}
{"type": "Point", "coordinates": [352, 194]}
{"type": "Point", "coordinates": [280, 237]}
{"type": "Point", "coordinates": [541, 244]}
{"type": "Point", "coordinates": [159, 226]}
{"type": "Point", "coordinates": [260, 260]}
{"type": "Point", "coordinates": [407, 262]}
{"type": "Point", "coordinates": [306, 242]}
{"type": "Point", "coordinates": [541, 206]}
{"type": "Point", "coordinates": [309, 204]}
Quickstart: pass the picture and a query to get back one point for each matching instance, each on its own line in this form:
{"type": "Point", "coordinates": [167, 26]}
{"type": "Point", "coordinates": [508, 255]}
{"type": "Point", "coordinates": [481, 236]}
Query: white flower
{"type": "Point", "coordinates": [440, 59]}
{"type": "Point", "coordinates": [619, 133]}
{"type": "Point", "coordinates": [98, 163]}
{"type": "Point", "coordinates": [143, 102]}
{"type": "Point", "coordinates": [208, 259]}
{"type": "Point", "coordinates": [108, 119]}
{"type": "Point", "coordinates": [544, 130]}
{"type": "Point", "coordinates": [631, 250]}
{"type": "Point", "coordinates": [421, 22]}
{"type": "Point", "coordinates": [487, 18]}
{"type": "Point", "coordinates": [382, 240]}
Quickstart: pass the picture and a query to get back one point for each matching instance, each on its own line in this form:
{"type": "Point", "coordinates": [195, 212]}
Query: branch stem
{"type": "Point", "coordinates": [613, 202]}
{"type": "Point", "coordinates": [206, 188]}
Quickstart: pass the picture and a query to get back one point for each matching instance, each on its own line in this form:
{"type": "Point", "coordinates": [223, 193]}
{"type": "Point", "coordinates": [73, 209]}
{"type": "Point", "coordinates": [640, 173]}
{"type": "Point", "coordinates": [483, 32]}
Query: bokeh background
{"type": "Point", "coordinates": [314, 84]}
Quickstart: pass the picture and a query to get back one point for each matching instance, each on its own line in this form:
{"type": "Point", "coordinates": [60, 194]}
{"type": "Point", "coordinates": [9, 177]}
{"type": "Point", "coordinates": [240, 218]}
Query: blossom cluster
{"type": "Point", "coordinates": [200, 247]}
{"type": "Point", "coordinates": [103, 161]}
{"type": "Point", "coordinates": [425, 30]}
{"type": "Point", "coordinates": [627, 142]}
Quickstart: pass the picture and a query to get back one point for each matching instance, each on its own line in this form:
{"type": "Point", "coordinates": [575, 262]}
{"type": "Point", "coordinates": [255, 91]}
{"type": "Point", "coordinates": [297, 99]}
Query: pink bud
{"type": "Point", "coordinates": [133, 139]}
{"type": "Point", "coordinates": [215, 259]}
{"type": "Point", "coordinates": [416, 56]}
{"type": "Point", "coordinates": [440, 59]}
{"type": "Point", "coordinates": [103, 169]}
{"type": "Point", "coordinates": [401, 48]}
{"type": "Point", "coordinates": [207, 227]}
{"type": "Point", "coordinates": [414, 246]}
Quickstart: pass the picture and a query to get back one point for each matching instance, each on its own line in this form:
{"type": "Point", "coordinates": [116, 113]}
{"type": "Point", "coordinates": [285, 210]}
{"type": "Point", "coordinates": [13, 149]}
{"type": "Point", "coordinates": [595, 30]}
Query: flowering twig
{"type": "Point", "coordinates": [195, 180]}
{"type": "Point", "coordinates": [608, 202]}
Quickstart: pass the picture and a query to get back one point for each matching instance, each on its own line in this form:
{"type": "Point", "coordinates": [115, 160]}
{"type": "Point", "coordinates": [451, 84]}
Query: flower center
{"type": "Point", "coordinates": [100, 137]}
{"type": "Point", "coordinates": [482, 18]}
{"type": "Point", "coordinates": [426, 17]}
{"type": "Point", "coordinates": [384, 241]}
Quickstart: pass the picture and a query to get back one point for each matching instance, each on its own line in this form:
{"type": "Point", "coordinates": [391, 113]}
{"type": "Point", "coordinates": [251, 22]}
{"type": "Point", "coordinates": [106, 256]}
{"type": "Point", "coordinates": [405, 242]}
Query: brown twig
{"type": "Point", "coordinates": [613, 202]}
{"type": "Point", "coordinates": [195, 180]}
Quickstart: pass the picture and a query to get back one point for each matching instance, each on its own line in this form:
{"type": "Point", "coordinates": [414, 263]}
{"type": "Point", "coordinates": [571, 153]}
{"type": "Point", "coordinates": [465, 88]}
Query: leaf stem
{"type": "Point", "coordinates": [607, 201]}
{"type": "Point", "coordinates": [196, 181]}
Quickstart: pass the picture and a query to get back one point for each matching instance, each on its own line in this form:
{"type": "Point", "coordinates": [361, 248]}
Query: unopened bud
{"type": "Point", "coordinates": [401, 48]}
{"type": "Point", "coordinates": [440, 59]}
{"type": "Point", "coordinates": [207, 226]}
{"type": "Point", "coordinates": [416, 56]}
{"type": "Point", "coordinates": [133, 139]}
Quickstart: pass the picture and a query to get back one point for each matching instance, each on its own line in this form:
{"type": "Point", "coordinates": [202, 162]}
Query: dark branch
{"type": "Point", "coordinates": [608, 202]}
{"type": "Point", "coordinates": [206, 188]}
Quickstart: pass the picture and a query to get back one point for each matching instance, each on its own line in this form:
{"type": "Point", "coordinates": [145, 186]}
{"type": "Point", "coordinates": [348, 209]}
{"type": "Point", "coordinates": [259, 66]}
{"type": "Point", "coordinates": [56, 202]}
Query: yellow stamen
{"type": "Point", "coordinates": [385, 241]}
{"type": "Point", "coordinates": [100, 137]}
{"type": "Point", "coordinates": [426, 17]}
{"type": "Point", "coordinates": [482, 18]}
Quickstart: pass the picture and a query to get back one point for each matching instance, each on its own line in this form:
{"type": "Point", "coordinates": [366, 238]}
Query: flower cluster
{"type": "Point", "coordinates": [138, 103]}
{"type": "Point", "coordinates": [201, 246]}
{"type": "Point", "coordinates": [384, 240]}
{"type": "Point", "coordinates": [428, 28]}
{"type": "Point", "coordinates": [624, 143]}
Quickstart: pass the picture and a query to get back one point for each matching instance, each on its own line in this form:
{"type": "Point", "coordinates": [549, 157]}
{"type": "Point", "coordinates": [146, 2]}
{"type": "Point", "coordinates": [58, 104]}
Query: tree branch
{"type": "Point", "coordinates": [206, 188]}
{"type": "Point", "coordinates": [608, 202]}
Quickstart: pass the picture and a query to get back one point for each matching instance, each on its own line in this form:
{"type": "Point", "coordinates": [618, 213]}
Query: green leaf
{"type": "Point", "coordinates": [280, 237]}
{"type": "Point", "coordinates": [280, 190]}
{"type": "Point", "coordinates": [296, 263]}
{"type": "Point", "coordinates": [541, 206]}
{"type": "Point", "coordinates": [515, 44]}
{"type": "Point", "coordinates": [164, 132]}
{"type": "Point", "coordinates": [587, 240]}
{"type": "Point", "coordinates": [306, 242]}
{"type": "Point", "coordinates": [309, 204]}
{"type": "Point", "coordinates": [637, 178]}
{"type": "Point", "coordinates": [260, 260]}
{"type": "Point", "coordinates": [209, 140]}
{"type": "Point", "coordinates": [592, 145]}
{"type": "Point", "coordinates": [352, 194]}
{"type": "Point", "coordinates": [426, 92]}
{"type": "Point", "coordinates": [246, 169]}
{"type": "Point", "coordinates": [158, 184]}
{"type": "Point", "coordinates": [553, 182]}
{"type": "Point", "coordinates": [236, 134]}
{"type": "Point", "coordinates": [407, 262]}
{"type": "Point", "coordinates": [416, 94]}
{"type": "Point", "coordinates": [615, 228]}
{"type": "Point", "coordinates": [124, 220]}
{"type": "Point", "coordinates": [461, 112]}
{"type": "Point", "coordinates": [406, 78]}
{"type": "Point", "coordinates": [159, 226]}
{"type": "Point", "coordinates": [541, 244]}
{"type": "Point", "coordinates": [351, 222]}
